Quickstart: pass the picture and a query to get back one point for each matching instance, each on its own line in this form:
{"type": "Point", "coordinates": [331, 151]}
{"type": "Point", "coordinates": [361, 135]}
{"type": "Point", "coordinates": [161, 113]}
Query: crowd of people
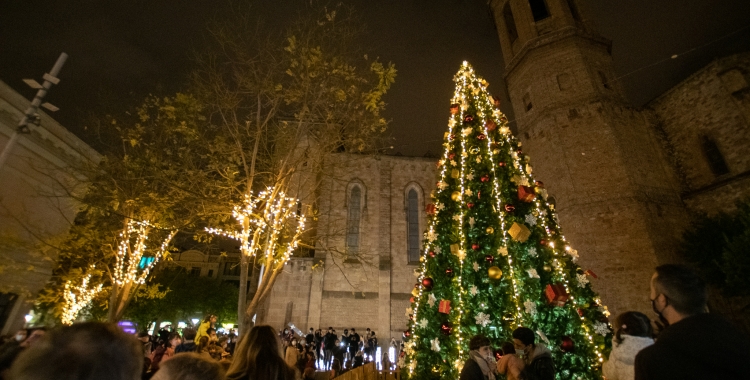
{"type": "Point", "coordinates": [679, 298]}
{"type": "Point", "coordinates": [95, 350]}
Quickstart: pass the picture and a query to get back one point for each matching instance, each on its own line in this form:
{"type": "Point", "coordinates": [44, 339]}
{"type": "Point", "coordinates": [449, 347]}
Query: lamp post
{"type": "Point", "coordinates": [31, 113]}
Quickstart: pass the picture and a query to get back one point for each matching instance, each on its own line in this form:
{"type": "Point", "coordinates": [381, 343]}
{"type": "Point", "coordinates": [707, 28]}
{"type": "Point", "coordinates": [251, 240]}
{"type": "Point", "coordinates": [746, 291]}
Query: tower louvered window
{"type": "Point", "coordinates": [353, 220]}
{"type": "Point", "coordinates": [413, 226]}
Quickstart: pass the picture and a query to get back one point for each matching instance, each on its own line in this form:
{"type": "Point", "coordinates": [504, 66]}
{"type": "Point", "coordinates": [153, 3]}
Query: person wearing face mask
{"type": "Point", "coordinates": [481, 364]}
{"type": "Point", "coordinates": [679, 298]}
{"type": "Point", "coordinates": [537, 358]}
{"type": "Point", "coordinates": [291, 356]}
{"type": "Point", "coordinates": [510, 364]}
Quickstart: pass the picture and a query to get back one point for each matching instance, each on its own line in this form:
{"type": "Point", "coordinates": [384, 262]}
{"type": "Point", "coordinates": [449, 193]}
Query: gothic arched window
{"type": "Point", "coordinates": [412, 214]}
{"type": "Point", "coordinates": [353, 219]}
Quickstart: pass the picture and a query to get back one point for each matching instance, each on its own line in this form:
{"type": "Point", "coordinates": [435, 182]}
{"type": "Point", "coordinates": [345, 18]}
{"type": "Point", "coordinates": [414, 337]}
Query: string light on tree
{"type": "Point", "coordinates": [77, 297]}
{"type": "Point", "coordinates": [495, 218]}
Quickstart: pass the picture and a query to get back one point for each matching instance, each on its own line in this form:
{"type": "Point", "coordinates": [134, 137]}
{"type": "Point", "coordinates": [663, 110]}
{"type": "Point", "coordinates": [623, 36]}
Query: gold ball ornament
{"type": "Point", "coordinates": [490, 230]}
{"type": "Point", "coordinates": [495, 273]}
{"type": "Point", "coordinates": [456, 196]}
{"type": "Point", "coordinates": [415, 292]}
{"type": "Point", "coordinates": [547, 268]}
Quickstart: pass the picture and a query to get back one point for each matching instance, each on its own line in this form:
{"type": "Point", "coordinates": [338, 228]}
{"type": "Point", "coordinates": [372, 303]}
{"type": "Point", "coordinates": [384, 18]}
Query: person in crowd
{"type": "Point", "coordinates": [145, 343]}
{"type": "Point", "coordinates": [212, 337]}
{"type": "Point", "coordinates": [291, 354]}
{"type": "Point", "coordinates": [165, 351]}
{"type": "Point", "coordinates": [509, 364]}
{"type": "Point", "coordinates": [82, 351]}
{"type": "Point", "coordinates": [335, 369]}
{"type": "Point", "coordinates": [10, 350]}
{"type": "Point", "coordinates": [345, 343]}
{"type": "Point", "coordinates": [310, 337]}
{"type": "Point", "coordinates": [679, 298]}
{"type": "Point", "coordinates": [188, 344]}
{"type": "Point", "coordinates": [372, 343]}
{"type": "Point", "coordinates": [202, 347]}
{"type": "Point", "coordinates": [318, 343]}
{"type": "Point", "coordinates": [309, 374]}
{"type": "Point", "coordinates": [329, 343]}
{"type": "Point", "coordinates": [35, 335]}
{"type": "Point", "coordinates": [207, 323]}
{"type": "Point", "coordinates": [218, 349]}
{"type": "Point", "coordinates": [258, 357]}
{"type": "Point", "coordinates": [358, 360]}
{"type": "Point", "coordinates": [633, 332]}
{"type": "Point", "coordinates": [190, 366]}
{"type": "Point", "coordinates": [481, 364]}
{"type": "Point", "coordinates": [537, 358]}
{"type": "Point", "coordinates": [354, 340]}
{"type": "Point", "coordinates": [309, 360]}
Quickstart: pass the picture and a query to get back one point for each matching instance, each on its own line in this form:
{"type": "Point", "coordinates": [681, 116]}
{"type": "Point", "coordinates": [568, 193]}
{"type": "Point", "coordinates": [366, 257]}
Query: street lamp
{"type": "Point", "coordinates": [31, 116]}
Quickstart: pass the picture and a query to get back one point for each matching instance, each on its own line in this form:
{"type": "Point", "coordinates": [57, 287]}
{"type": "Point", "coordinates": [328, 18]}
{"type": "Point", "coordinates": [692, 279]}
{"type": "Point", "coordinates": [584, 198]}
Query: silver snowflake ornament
{"type": "Point", "coordinates": [531, 220]}
{"type": "Point", "coordinates": [431, 300]}
{"type": "Point", "coordinates": [435, 345]}
{"type": "Point", "coordinates": [601, 328]}
{"type": "Point", "coordinates": [482, 319]}
{"type": "Point", "coordinates": [533, 252]}
{"type": "Point", "coordinates": [530, 307]}
{"type": "Point", "coordinates": [476, 267]}
{"type": "Point", "coordinates": [582, 280]}
{"type": "Point", "coordinates": [473, 290]}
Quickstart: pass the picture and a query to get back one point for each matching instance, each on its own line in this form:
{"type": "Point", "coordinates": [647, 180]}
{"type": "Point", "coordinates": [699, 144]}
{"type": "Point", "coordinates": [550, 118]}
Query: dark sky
{"type": "Point", "coordinates": [121, 51]}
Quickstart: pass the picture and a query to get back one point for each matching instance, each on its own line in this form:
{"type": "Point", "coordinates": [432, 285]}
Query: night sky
{"type": "Point", "coordinates": [121, 51]}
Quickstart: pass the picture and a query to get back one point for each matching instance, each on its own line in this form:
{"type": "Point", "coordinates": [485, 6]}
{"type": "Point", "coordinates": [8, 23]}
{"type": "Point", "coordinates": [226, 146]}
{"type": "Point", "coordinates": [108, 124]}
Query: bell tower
{"type": "Point", "coordinates": [617, 197]}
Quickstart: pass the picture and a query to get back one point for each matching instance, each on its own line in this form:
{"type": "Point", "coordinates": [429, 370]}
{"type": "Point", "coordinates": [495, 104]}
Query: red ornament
{"type": "Point", "coordinates": [489, 258]}
{"type": "Point", "coordinates": [556, 294]}
{"type": "Point", "coordinates": [491, 125]}
{"type": "Point", "coordinates": [485, 178]}
{"type": "Point", "coordinates": [446, 328]}
{"type": "Point", "coordinates": [432, 253]}
{"type": "Point", "coordinates": [430, 209]}
{"type": "Point", "coordinates": [475, 246]}
{"type": "Point", "coordinates": [501, 164]}
{"type": "Point", "coordinates": [468, 118]}
{"type": "Point", "coordinates": [539, 184]}
{"type": "Point", "coordinates": [479, 195]}
{"type": "Point", "coordinates": [591, 273]}
{"type": "Point", "coordinates": [580, 312]}
{"type": "Point", "coordinates": [510, 208]}
{"type": "Point", "coordinates": [454, 109]}
{"type": "Point", "coordinates": [407, 334]}
{"type": "Point", "coordinates": [444, 306]}
{"type": "Point", "coordinates": [451, 156]}
{"type": "Point", "coordinates": [543, 242]}
{"type": "Point", "coordinates": [495, 101]}
{"type": "Point", "coordinates": [525, 193]}
{"type": "Point", "coordinates": [451, 137]}
{"type": "Point", "coordinates": [449, 272]}
{"type": "Point", "coordinates": [469, 205]}
{"type": "Point", "coordinates": [428, 283]}
{"type": "Point", "coordinates": [567, 344]}
{"type": "Point", "coordinates": [481, 136]}
{"type": "Point", "coordinates": [411, 299]}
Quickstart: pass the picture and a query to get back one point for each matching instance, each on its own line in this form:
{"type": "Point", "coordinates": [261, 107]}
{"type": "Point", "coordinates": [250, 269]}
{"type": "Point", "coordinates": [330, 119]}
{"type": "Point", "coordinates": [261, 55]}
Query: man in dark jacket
{"type": "Point", "coordinates": [188, 344]}
{"type": "Point", "coordinates": [481, 364]}
{"type": "Point", "coordinates": [536, 356]}
{"type": "Point", "coordinates": [329, 343]}
{"type": "Point", "coordinates": [679, 298]}
{"type": "Point", "coordinates": [353, 342]}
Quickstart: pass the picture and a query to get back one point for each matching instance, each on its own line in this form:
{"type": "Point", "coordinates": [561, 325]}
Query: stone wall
{"type": "Point", "coordinates": [712, 103]}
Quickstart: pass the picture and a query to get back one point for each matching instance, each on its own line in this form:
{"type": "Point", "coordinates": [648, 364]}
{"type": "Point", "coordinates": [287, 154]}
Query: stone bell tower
{"type": "Point", "coordinates": [599, 158]}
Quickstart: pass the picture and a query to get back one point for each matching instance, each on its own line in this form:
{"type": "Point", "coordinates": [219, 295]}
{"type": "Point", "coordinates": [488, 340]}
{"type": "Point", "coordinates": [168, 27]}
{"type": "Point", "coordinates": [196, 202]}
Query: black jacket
{"type": "Point", "coordinates": [471, 371]}
{"type": "Point", "coordinates": [309, 339]}
{"type": "Point", "coordinates": [185, 347]}
{"type": "Point", "coordinates": [542, 367]}
{"type": "Point", "coordinates": [703, 346]}
{"type": "Point", "coordinates": [329, 341]}
{"type": "Point", "coordinates": [354, 341]}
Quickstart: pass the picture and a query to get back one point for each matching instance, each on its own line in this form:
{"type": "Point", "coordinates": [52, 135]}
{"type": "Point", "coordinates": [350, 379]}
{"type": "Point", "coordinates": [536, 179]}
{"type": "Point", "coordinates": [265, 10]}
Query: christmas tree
{"type": "Point", "coordinates": [495, 258]}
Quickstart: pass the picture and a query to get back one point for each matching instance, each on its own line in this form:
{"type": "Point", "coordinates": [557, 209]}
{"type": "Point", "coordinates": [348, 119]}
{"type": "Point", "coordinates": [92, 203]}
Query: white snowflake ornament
{"type": "Point", "coordinates": [473, 290]}
{"type": "Point", "coordinates": [601, 328]}
{"type": "Point", "coordinates": [422, 323]}
{"type": "Point", "coordinates": [532, 273]}
{"type": "Point", "coordinates": [440, 206]}
{"type": "Point", "coordinates": [482, 319]}
{"type": "Point", "coordinates": [431, 300]}
{"type": "Point", "coordinates": [476, 267]}
{"type": "Point", "coordinates": [530, 307]}
{"type": "Point", "coordinates": [471, 219]}
{"type": "Point", "coordinates": [582, 280]}
{"type": "Point", "coordinates": [470, 176]}
{"type": "Point", "coordinates": [435, 345]}
{"type": "Point", "coordinates": [431, 235]}
{"type": "Point", "coordinates": [466, 131]}
{"type": "Point", "coordinates": [468, 192]}
{"type": "Point", "coordinates": [531, 220]}
{"type": "Point", "coordinates": [533, 252]}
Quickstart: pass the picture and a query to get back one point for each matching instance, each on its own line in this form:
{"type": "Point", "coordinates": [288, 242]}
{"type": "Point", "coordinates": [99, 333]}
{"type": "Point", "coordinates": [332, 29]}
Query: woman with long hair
{"type": "Point", "coordinates": [633, 332]}
{"type": "Point", "coordinates": [258, 356]}
{"type": "Point", "coordinates": [208, 323]}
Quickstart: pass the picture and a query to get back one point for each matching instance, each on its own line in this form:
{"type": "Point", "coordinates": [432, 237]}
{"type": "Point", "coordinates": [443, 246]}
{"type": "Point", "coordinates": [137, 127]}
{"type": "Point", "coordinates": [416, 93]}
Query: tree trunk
{"type": "Point", "coordinates": [242, 299]}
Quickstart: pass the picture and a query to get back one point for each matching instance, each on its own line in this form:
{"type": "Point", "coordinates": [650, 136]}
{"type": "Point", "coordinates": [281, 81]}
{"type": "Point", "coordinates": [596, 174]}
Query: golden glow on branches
{"type": "Point", "coordinates": [130, 267]}
{"type": "Point", "coordinates": [77, 297]}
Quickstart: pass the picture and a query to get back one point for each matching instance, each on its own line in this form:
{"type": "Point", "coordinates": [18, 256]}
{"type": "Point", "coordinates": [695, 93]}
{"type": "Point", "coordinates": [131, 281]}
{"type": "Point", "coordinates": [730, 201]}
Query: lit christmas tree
{"type": "Point", "coordinates": [495, 258]}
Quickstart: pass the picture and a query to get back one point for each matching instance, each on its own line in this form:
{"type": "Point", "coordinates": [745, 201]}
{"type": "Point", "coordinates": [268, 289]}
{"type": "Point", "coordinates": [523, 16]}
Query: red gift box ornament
{"type": "Point", "coordinates": [491, 125]}
{"type": "Point", "coordinates": [556, 294]}
{"type": "Point", "coordinates": [525, 193]}
{"type": "Point", "coordinates": [430, 209]}
{"type": "Point", "coordinates": [444, 306]}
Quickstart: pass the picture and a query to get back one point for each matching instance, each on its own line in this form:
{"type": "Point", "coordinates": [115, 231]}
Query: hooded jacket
{"type": "Point", "coordinates": [621, 363]}
{"type": "Point", "coordinates": [702, 346]}
{"type": "Point", "coordinates": [539, 364]}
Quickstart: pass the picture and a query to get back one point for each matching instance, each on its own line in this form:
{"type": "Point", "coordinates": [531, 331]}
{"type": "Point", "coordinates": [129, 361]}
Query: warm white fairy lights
{"type": "Point", "coordinates": [77, 297]}
{"type": "Point", "coordinates": [477, 91]}
{"type": "Point", "coordinates": [129, 268]}
{"type": "Point", "coordinates": [263, 220]}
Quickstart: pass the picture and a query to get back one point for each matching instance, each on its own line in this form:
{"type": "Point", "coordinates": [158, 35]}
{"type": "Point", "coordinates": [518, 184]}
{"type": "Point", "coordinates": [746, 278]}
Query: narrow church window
{"type": "Point", "coordinates": [574, 10]}
{"type": "Point", "coordinates": [353, 220]}
{"type": "Point", "coordinates": [539, 9]}
{"type": "Point", "coordinates": [603, 78]}
{"type": "Point", "coordinates": [510, 23]}
{"type": "Point", "coordinates": [714, 157]}
{"type": "Point", "coordinates": [527, 102]}
{"type": "Point", "coordinates": [413, 226]}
